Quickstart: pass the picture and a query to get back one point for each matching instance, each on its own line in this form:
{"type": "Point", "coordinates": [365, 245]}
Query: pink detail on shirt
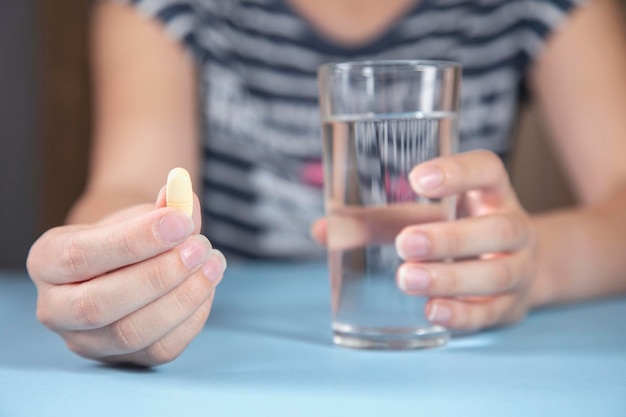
{"type": "Point", "coordinates": [399, 188]}
{"type": "Point", "coordinates": [312, 173]}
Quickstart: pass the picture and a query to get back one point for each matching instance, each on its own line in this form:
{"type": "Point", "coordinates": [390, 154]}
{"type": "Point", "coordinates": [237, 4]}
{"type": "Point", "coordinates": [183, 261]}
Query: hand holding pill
{"type": "Point", "coordinates": [136, 287]}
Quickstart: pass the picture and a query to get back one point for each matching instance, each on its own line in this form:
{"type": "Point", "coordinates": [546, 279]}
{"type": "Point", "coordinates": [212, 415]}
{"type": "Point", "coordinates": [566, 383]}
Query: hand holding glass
{"type": "Point", "coordinates": [380, 120]}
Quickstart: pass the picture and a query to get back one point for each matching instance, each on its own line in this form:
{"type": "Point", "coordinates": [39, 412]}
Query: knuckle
{"type": "Point", "coordinates": [159, 353]}
{"type": "Point", "coordinates": [37, 251]}
{"type": "Point", "coordinates": [159, 277]}
{"type": "Point", "coordinates": [162, 352]}
{"type": "Point", "coordinates": [196, 322]}
{"type": "Point", "coordinates": [511, 228]}
{"type": "Point", "coordinates": [76, 348]}
{"type": "Point", "coordinates": [127, 248]}
{"type": "Point", "coordinates": [86, 310]}
{"type": "Point", "coordinates": [504, 275]}
{"type": "Point", "coordinates": [528, 267]}
{"type": "Point", "coordinates": [475, 317]}
{"type": "Point", "coordinates": [453, 243]}
{"type": "Point", "coordinates": [73, 259]}
{"type": "Point", "coordinates": [492, 160]}
{"type": "Point", "coordinates": [79, 342]}
{"type": "Point", "coordinates": [447, 281]}
{"type": "Point", "coordinates": [43, 314]}
{"type": "Point", "coordinates": [490, 315]}
{"type": "Point", "coordinates": [494, 165]}
{"type": "Point", "coordinates": [126, 337]}
{"type": "Point", "coordinates": [463, 317]}
{"type": "Point", "coordinates": [192, 292]}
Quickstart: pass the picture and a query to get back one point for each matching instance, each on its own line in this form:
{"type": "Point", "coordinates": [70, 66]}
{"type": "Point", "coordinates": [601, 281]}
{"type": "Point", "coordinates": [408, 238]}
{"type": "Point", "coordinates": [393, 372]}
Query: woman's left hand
{"type": "Point", "coordinates": [492, 244]}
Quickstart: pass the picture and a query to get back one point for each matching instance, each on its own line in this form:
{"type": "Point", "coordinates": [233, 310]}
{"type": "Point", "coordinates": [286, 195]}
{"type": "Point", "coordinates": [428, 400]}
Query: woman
{"type": "Point", "coordinates": [128, 281]}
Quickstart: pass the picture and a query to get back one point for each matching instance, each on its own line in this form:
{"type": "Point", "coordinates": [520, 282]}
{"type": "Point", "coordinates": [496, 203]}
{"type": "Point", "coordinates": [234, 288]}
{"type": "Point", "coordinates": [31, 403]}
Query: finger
{"type": "Point", "coordinates": [65, 255]}
{"type": "Point", "coordinates": [350, 227]}
{"type": "Point", "coordinates": [161, 202]}
{"type": "Point", "coordinates": [319, 231]}
{"type": "Point", "coordinates": [197, 214]}
{"type": "Point", "coordinates": [462, 172]}
{"type": "Point", "coordinates": [101, 301]}
{"type": "Point", "coordinates": [147, 325]}
{"type": "Point", "coordinates": [124, 214]}
{"type": "Point", "coordinates": [171, 345]}
{"type": "Point", "coordinates": [464, 238]}
{"type": "Point", "coordinates": [468, 315]}
{"type": "Point", "coordinates": [129, 212]}
{"type": "Point", "coordinates": [460, 279]}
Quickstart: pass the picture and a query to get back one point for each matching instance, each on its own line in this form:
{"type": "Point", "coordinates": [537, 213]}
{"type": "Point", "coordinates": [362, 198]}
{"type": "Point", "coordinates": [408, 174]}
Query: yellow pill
{"type": "Point", "coordinates": [179, 192]}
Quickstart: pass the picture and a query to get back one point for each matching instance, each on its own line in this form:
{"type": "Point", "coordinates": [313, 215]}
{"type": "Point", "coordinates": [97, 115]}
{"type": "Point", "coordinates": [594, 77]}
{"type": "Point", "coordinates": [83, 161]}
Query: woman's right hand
{"type": "Point", "coordinates": [134, 288]}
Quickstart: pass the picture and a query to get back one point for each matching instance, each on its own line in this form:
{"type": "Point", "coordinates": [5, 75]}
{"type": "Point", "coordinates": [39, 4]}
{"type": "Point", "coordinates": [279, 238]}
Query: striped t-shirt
{"type": "Point", "coordinates": [262, 176]}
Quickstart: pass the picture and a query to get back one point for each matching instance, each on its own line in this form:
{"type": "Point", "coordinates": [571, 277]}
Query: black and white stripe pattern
{"type": "Point", "coordinates": [258, 61]}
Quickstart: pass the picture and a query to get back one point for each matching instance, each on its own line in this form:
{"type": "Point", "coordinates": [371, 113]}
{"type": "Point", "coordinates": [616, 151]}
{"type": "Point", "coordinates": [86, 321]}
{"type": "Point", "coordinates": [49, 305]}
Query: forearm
{"type": "Point", "coordinates": [145, 113]}
{"type": "Point", "coordinates": [93, 206]}
{"type": "Point", "coordinates": [581, 253]}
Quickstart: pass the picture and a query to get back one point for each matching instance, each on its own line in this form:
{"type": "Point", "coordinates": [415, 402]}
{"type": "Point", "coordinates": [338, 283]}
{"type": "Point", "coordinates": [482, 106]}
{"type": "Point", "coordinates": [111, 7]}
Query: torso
{"type": "Point", "coordinates": [262, 146]}
{"type": "Point", "coordinates": [351, 23]}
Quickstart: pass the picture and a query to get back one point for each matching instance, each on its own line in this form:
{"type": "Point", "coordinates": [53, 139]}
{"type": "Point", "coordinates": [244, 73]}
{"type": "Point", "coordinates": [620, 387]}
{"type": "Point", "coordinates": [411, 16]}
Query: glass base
{"type": "Point", "coordinates": [389, 338]}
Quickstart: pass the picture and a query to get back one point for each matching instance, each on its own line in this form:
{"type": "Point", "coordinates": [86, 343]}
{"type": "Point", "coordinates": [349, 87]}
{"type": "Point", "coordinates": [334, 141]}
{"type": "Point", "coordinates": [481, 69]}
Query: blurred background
{"type": "Point", "coordinates": [18, 176]}
{"type": "Point", "coordinates": [45, 125]}
{"type": "Point", "coordinates": [44, 118]}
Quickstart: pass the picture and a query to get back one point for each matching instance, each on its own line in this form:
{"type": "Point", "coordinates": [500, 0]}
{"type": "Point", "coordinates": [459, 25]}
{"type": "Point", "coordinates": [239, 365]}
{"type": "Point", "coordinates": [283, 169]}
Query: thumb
{"type": "Point", "coordinates": [319, 231]}
{"type": "Point", "coordinates": [161, 199]}
{"type": "Point", "coordinates": [161, 202]}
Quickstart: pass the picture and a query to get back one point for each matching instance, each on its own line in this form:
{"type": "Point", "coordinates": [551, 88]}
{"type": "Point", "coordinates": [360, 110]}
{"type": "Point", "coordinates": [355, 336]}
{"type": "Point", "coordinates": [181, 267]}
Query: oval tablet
{"type": "Point", "coordinates": [179, 191]}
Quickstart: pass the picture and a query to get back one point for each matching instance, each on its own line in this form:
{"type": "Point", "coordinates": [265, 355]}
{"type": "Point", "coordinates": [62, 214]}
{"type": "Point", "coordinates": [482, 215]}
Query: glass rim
{"type": "Point", "coordinates": [389, 64]}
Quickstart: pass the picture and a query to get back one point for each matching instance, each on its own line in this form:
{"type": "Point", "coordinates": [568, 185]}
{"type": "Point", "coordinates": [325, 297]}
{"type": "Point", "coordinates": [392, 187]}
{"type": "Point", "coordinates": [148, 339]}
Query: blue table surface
{"type": "Point", "coordinates": [267, 351]}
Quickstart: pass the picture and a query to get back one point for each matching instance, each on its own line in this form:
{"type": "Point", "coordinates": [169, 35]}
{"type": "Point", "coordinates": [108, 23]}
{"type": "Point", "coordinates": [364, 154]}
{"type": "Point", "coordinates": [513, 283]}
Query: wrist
{"type": "Point", "coordinates": [541, 291]}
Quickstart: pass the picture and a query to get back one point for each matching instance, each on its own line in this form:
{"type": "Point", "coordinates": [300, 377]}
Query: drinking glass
{"type": "Point", "coordinates": [380, 119]}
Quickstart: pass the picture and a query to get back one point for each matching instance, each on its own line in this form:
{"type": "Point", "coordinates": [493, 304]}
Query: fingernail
{"type": "Point", "coordinates": [215, 266]}
{"type": "Point", "coordinates": [174, 227]}
{"type": "Point", "coordinates": [193, 253]}
{"type": "Point", "coordinates": [439, 314]}
{"type": "Point", "coordinates": [414, 279]}
{"type": "Point", "coordinates": [412, 245]}
{"type": "Point", "coordinates": [427, 178]}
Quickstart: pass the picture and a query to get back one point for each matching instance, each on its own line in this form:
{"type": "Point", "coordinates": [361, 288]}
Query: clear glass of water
{"type": "Point", "coordinates": [379, 120]}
